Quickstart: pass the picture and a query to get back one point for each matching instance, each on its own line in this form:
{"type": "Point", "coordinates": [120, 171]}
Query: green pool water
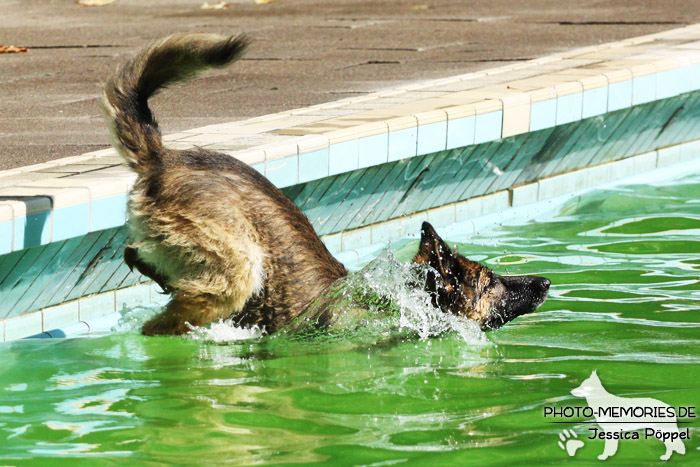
{"type": "Point", "coordinates": [624, 264]}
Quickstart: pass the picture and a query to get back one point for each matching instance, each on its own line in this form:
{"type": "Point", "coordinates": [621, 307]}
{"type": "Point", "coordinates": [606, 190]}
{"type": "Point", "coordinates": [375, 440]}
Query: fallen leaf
{"type": "Point", "coordinates": [215, 6]}
{"type": "Point", "coordinates": [263, 2]}
{"type": "Point", "coordinates": [419, 7]}
{"type": "Point", "coordinates": [95, 2]}
{"type": "Point", "coordinates": [11, 49]}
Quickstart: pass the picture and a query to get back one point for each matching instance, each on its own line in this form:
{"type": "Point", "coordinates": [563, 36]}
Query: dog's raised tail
{"type": "Point", "coordinates": [166, 61]}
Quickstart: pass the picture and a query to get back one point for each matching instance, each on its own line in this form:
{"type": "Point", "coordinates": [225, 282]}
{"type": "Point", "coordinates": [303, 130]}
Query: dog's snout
{"type": "Point", "coordinates": [545, 283]}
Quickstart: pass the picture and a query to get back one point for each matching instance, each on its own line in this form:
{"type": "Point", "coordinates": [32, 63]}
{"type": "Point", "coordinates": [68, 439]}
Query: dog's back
{"type": "Point", "coordinates": [208, 228]}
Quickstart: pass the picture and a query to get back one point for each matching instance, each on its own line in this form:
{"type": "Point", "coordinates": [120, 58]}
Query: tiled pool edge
{"type": "Point", "coordinates": [80, 317]}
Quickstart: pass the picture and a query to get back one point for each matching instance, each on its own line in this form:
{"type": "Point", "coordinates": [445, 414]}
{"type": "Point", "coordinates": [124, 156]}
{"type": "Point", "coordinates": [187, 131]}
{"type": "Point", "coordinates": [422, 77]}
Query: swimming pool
{"type": "Point", "coordinates": [624, 265]}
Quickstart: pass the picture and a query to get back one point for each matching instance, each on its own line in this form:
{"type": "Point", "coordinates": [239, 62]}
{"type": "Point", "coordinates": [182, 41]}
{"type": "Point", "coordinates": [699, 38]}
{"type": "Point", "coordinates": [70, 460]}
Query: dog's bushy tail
{"type": "Point", "coordinates": [164, 62]}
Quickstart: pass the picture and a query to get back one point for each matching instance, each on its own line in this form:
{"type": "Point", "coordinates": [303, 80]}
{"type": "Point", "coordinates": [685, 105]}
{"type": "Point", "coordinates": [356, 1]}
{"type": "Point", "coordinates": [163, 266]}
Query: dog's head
{"type": "Point", "coordinates": [466, 288]}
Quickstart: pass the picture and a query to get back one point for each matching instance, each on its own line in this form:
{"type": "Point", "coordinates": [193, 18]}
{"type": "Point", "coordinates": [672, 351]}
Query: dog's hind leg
{"type": "Point", "coordinates": [184, 309]}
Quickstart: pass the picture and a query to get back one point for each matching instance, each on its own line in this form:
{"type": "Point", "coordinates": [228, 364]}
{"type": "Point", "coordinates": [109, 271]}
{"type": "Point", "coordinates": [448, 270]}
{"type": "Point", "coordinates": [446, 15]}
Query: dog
{"type": "Point", "coordinates": [225, 242]}
{"type": "Point", "coordinates": [613, 426]}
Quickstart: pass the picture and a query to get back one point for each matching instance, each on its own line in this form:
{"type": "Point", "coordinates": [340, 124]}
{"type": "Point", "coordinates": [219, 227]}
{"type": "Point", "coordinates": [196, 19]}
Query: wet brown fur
{"type": "Point", "coordinates": [219, 237]}
{"type": "Point", "coordinates": [209, 229]}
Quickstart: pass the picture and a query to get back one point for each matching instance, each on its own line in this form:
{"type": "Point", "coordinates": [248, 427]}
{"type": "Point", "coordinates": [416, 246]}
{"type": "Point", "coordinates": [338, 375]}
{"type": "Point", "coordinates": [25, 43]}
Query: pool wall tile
{"type": "Point", "coordinates": [403, 143]}
{"type": "Point", "coordinates": [569, 108]}
{"type": "Point", "coordinates": [643, 89]}
{"type": "Point", "coordinates": [460, 132]}
{"type": "Point", "coordinates": [59, 316]}
{"type": "Point", "coordinates": [432, 137]}
{"type": "Point", "coordinates": [495, 202]}
{"type": "Point", "coordinates": [468, 209]}
{"type": "Point", "coordinates": [524, 194]}
{"type": "Point", "coordinates": [70, 221]}
{"type": "Point", "coordinates": [442, 216]}
{"type": "Point", "coordinates": [96, 306]}
{"type": "Point", "coordinates": [488, 127]}
{"type": "Point", "coordinates": [619, 95]}
{"type": "Point", "coordinates": [386, 231]}
{"type": "Point", "coordinates": [130, 297]}
{"type": "Point", "coordinates": [543, 114]}
{"type": "Point", "coordinates": [343, 157]}
{"type": "Point", "coordinates": [282, 172]}
{"type": "Point", "coordinates": [313, 165]}
{"type": "Point", "coordinates": [373, 150]}
{"type": "Point", "coordinates": [108, 212]}
{"type": "Point", "coordinates": [356, 238]}
{"type": "Point", "coordinates": [23, 326]}
{"type": "Point", "coordinates": [595, 102]}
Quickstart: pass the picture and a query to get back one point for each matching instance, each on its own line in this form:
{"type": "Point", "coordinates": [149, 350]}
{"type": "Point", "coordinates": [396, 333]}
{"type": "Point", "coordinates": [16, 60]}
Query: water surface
{"type": "Point", "coordinates": [624, 264]}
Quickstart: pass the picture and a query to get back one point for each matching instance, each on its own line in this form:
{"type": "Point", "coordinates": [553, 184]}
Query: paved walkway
{"type": "Point", "coordinates": [305, 52]}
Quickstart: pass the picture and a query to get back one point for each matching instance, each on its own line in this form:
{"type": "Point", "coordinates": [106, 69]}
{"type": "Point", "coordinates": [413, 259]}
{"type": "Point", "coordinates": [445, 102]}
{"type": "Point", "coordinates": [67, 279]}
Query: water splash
{"type": "Point", "coordinates": [224, 331]}
{"type": "Point", "coordinates": [392, 294]}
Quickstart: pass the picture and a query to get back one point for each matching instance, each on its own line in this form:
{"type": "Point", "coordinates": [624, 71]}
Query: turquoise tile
{"type": "Point", "coordinates": [569, 108]}
{"type": "Point", "coordinates": [260, 167]}
{"type": "Point", "coordinates": [96, 306]}
{"type": "Point", "coordinates": [23, 326]}
{"type": "Point", "coordinates": [49, 265]}
{"type": "Point", "coordinates": [595, 102]}
{"type": "Point", "coordinates": [543, 114]}
{"type": "Point", "coordinates": [402, 144]}
{"type": "Point", "coordinates": [442, 216]}
{"type": "Point", "coordinates": [79, 280]}
{"type": "Point", "coordinates": [643, 89]}
{"type": "Point", "coordinates": [5, 237]}
{"type": "Point", "coordinates": [313, 165]}
{"type": "Point", "coordinates": [108, 212]}
{"type": "Point", "coordinates": [344, 157]}
{"type": "Point", "coordinates": [487, 127]}
{"type": "Point", "coordinates": [56, 317]}
{"type": "Point", "coordinates": [32, 230]}
{"type": "Point", "coordinates": [432, 137]}
{"type": "Point", "coordinates": [131, 297]}
{"type": "Point", "coordinates": [71, 221]}
{"type": "Point", "coordinates": [412, 225]}
{"type": "Point", "coordinates": [333, 243]}
{"type": "Point", "coordinates": [695, 77]}
{"type": "Point", "coordinates": [14, 288]}
{"type": "Point", "coordinates": [468, 209]}
{"type": "Point", "coordinates": [683, 77]}
{"type": "Point", "coordinates": [357, 201]}
{"type": "Point", "coordinates": [282, 172]}
{"type": "Point", "coordinates": [55, 291]}
{"type": "Point", "coordinates": [668, 84]}
{"type": "Point", "coordinates": [619, 95]}
{"type": "Point", "coordinates": [356, 239]}
{"type": "Point", "coordinates": [373, 150]}
{"type": "Point", "coordinates": [525, 194]}
{"type": "Point", "coordinates": [111, 260]}
{"type": "Point", "coordinates": [386, 231]}
{"type": "Point", "coordinates": [460, 132]}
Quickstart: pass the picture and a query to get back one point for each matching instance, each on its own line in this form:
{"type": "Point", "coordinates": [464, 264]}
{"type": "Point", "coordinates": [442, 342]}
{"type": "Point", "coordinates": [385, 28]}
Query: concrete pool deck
{"type": "Point", "coordinates": [360, 167]}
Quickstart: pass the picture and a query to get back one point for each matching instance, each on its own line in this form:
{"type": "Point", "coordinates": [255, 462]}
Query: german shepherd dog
{"type": "Point", "coordinates": [225, 242]}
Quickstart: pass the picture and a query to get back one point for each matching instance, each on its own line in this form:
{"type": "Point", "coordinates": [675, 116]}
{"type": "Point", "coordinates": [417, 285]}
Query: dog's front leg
{"type": "Point", "coordinates": [182, 312]}
{"type": "Point", "coordinates": [609, 449]}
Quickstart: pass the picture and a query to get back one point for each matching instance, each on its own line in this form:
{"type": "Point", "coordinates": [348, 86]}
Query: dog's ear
{"type": "Point", "coordinates": [434, 251]}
